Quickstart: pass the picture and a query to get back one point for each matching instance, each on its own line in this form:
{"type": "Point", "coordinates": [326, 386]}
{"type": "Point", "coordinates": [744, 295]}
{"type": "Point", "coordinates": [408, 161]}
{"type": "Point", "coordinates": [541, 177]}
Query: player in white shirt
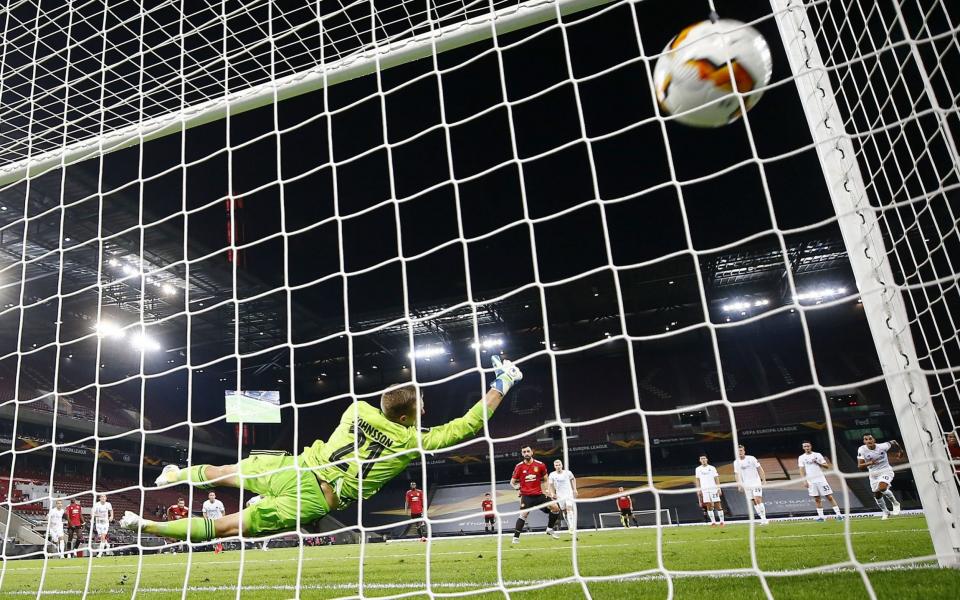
{"type": "Point", "coordinates": [562, 487]}
{"type": "Point", "coordinates": [55, 526]}
{"type": "Point", "coordinates": [708, 490]}
{"type": "Point", "coordinates": [102, 517]}
{"type": "Point", "coordinates": [213, 509]}
{"type": "Point", "coordinates": [750, 480]}
{"type": "Point", "coordinates": [873, 457]}
{"type": "Point", "coordinates": [811, 469]}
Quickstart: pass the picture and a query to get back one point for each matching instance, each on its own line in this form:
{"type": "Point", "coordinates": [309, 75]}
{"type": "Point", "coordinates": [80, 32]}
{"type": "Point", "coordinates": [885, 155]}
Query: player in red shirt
{"type": "Point", "coordinates": [489, 519]}
{"type": "Point", "coordinates": [178, 511]}
{"type": "Point", "coordinates": [528, 477]}
{"type": "Point", "coordinates": [175, 513]}
{"type": "Point", "coordinates": [75, 524]}
{"type": "Point", "coordinates": [625, 506]}
{"type": "Point", "coordinates": [413, 504]}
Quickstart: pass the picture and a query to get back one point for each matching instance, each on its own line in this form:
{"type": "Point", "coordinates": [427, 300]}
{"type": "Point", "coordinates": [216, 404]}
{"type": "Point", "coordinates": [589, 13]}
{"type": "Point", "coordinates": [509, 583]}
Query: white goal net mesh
{"type": "Point", "coordinates": [317, 201]}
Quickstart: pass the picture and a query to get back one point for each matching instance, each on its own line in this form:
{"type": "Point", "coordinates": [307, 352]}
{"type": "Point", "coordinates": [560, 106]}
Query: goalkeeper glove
{"type": "Point", "coordinates": [507, 375]}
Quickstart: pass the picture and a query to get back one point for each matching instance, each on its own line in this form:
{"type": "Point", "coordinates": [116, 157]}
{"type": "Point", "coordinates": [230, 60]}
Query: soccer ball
{"type": "Point", "coordinates": [693, 72]}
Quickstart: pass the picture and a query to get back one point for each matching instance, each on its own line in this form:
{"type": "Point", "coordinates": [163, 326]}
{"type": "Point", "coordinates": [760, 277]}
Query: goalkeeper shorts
{"type": "Point", "coordinates": [275, 479]}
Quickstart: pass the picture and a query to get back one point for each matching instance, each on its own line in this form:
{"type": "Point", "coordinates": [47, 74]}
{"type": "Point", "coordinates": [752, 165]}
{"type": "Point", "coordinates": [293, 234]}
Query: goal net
{"type": "Point", "coordinates": [293, 208]}
{"type": "Point", "coordinates": [638, 518]}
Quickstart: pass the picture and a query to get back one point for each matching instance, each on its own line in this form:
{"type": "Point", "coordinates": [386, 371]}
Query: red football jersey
{"type": "Point", "coordinates": [530, 477]}
{"type": "Point", "coordinates": [487, 506]}
{"type": "Point", "coordinates": [415, 501]}
{"type": "Point", "coordinates": [623, 502]}
{"type": "Point", "coordinates": [74, 515]}
{"type": "Point", "coordinates": [175, 513]}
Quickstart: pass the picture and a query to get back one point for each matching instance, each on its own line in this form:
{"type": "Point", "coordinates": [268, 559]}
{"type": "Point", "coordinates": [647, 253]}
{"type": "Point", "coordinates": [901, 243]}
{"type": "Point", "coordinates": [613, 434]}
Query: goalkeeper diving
{"type": "Point", "coordinates": [331, 474]}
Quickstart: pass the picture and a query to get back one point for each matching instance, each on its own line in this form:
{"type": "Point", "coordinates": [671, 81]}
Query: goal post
{"type": "Point", "coordinates": [860, 207]}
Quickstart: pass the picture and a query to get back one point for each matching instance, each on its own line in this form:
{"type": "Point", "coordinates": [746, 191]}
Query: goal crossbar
{"type": "Point", "coordinates": [380, 56]}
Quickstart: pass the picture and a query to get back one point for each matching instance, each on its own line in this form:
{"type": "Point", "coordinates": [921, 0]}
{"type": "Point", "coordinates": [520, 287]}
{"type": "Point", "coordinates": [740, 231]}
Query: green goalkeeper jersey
{"type": "Point", "coordinates": [338, 460]}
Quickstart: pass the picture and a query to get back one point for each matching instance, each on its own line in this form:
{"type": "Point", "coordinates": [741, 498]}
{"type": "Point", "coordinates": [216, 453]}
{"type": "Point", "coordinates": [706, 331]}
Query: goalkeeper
{"type": "Point", "coordinates": [331, 474]}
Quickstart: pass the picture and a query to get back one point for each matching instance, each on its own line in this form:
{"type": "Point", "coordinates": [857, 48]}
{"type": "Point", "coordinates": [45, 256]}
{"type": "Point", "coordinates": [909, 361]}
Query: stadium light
{"type": "Point", "coordinates": [488, 343]}
{"type": "Point", "coordinates": [820, 294]}
{"type": "Point", "coordinates": [168, 290]}
{"type": "Point", "coordinates": [427, 352]}
{"type": "Point", "coordinates": [742, 305]}
{"type": "Point", "coordinates": [109, 329]}
{"type": "Point", "coordinates": [113, 262]}
{"type": "Point", "coordinates": [143, 342]}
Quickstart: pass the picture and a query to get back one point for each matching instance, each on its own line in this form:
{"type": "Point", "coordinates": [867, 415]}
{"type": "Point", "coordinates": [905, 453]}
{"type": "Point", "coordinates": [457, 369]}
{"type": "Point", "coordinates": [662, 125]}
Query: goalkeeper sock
{"type": "Point", "coordinates": [518, 528]}
{"type": "Point", "coordinates": [196, 529]}
{"type": "Point", "coordinates": [195, 475]}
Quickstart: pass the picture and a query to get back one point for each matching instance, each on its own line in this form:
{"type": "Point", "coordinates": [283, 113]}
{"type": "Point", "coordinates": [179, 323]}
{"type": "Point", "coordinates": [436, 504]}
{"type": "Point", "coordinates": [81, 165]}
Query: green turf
{"type": "Point", "coordinates": [464, 564]}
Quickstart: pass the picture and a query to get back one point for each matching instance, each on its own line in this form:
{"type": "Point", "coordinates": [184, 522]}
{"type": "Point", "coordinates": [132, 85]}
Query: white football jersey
{"type": "Point", "coordinates": [749, 470]}
{"type": "Point", "coordinates": [55, 518]}
{"type": "Point", "coordinates": [811, 464]}
{"type": "Point", "coordinates": [101, 513]}
{"type": "Point", "coordinates": [706, 476]}
{"type": "Point", "coordinates": [878, 455]}
{"type": "Point", "coordinates": [213, 510]}
{"type": "Point", "coordinates": [561, 483]}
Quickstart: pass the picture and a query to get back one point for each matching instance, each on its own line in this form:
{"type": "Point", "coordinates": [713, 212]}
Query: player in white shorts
{"type": "Point", "coordinates": [873, 457]}
{"type": "Point", "coordinates": [102, 517]}
{"type": "Point", "coordinates": [55, 526]}
{"type": "Point", "coordinates": [213, 509]}
{"type": "Point", "coordinates": [811, 469]}
{"type": "Point", "coordinates": [562, 487]}
{"type": "Point", "coordinates": [708, 490]}
{"type": "Point", "coordinates": [750, 480]}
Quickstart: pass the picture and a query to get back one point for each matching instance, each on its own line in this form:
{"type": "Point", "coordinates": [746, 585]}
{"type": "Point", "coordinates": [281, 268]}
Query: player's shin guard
{"type": "Point", "coordinates": [518, 527]}
{"type": "Point", "coordinates": [196, 529]}
{"type": "Point", "coordinates": [761, 510]}
{"type": "Point", "coordinates": [888, 494]}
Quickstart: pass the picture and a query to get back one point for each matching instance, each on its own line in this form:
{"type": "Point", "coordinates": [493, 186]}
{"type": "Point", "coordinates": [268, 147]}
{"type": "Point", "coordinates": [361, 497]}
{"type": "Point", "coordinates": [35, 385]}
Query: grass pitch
{"type": "Point", "coordinates": [628, 557]}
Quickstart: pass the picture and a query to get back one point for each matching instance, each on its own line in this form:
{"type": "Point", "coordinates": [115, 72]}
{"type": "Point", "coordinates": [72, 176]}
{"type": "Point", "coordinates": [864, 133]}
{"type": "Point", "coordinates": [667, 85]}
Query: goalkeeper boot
{"type": "Point", "coordinates": [130, 521]}
{"type": "Point", "coordinates": [169, 476]}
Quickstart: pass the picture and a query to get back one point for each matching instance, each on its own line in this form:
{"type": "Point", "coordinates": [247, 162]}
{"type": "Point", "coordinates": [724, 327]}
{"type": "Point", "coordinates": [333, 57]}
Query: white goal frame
{"type": "Point", "coordinates": [883, 301]}
{"type": "Point", "coordinates": [667, 521]}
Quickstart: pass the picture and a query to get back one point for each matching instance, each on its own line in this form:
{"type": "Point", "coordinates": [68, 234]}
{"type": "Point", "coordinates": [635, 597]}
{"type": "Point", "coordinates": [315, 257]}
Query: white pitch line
{"type": "Point", "coordinates": [477, 586]}
{"type": "Point", "coordinates": [582, 547]}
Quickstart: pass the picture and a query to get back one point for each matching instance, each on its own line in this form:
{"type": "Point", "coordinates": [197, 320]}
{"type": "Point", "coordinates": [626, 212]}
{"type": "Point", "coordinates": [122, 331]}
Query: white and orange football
{"type": "Point", "coordinates": [702, 67]}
